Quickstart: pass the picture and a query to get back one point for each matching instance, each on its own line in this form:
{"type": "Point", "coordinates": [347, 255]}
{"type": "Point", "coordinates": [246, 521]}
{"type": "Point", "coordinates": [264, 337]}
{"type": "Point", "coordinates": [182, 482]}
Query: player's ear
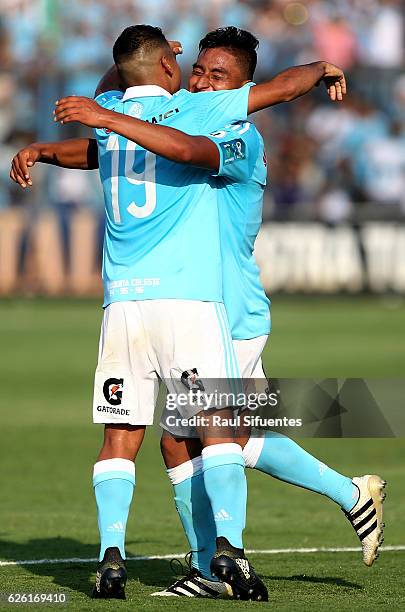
{"type": "Point", "coordinates": [167, 65]}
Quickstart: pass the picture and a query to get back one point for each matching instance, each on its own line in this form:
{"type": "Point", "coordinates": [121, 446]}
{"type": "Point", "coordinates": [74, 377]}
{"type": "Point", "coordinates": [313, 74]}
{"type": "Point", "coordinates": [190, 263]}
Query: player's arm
{"type": "Point", "coordinates": [240, 148]}
{"type": "Point", "coordinates": [159, 139]}
{"type": "Point", "coordinates": [78, 153]}
{"type": "Point", "coordinates": [295, 82]}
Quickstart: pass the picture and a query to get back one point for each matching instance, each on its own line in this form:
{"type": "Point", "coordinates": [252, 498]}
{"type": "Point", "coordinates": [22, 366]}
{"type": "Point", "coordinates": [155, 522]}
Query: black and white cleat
{"type": "Point", "coordinates": [195, 585]}
{"type": "Point", "coordinates": [111, 576]}
{"type": "Point", "coordinates": [366, 516]}
{"type": "Point", "coordinates": [239, 574]}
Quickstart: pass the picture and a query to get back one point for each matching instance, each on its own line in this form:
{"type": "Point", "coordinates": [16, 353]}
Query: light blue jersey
{"type": "Point", "coordinates": [240, 185]}
{"type": "Point", "coordinates": [162, 231]}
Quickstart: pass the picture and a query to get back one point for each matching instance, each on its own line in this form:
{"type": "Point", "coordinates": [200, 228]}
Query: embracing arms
{"type": "Point", "coordinates": [159, 139]}
{"type": "Point", "coordinates": [198, 150]}
{"type": "Point", "coordinates": [78, 153]}
{"type": "Point", "coordinates": [162, 140]}
{"type": "Point", "coordinates": [295, 82]}
{"type": "Point", "coordinates": [82, 152]}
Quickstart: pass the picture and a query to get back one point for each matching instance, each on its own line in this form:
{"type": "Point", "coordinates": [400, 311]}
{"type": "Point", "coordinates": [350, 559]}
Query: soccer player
{"type": "Point", "coordinates": [219, 66]}
{"type": "Point", "coordinates": [161, 289]}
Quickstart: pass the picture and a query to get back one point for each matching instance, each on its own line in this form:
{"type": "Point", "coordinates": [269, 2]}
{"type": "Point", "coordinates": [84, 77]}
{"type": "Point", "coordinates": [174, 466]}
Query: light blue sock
{"type": "Point", "coordinates": [194, 508]}
{"type": "Point", "coordinates": [225, 483]}
{"type": "Point", "coordinates": [113, 481]}
{"type": "Point", "coordinates": [283, 458]}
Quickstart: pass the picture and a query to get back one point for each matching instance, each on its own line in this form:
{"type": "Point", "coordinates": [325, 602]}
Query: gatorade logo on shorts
{"type": "Point", "coordinates": [112, 390]}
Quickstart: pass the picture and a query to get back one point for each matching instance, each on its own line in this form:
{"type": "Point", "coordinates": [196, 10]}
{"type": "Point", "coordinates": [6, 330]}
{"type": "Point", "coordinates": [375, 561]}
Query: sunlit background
{"type": "Point", "coordinates": [335, 201]}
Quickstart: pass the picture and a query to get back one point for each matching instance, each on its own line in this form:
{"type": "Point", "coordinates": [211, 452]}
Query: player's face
{"type": "Point", "coordinates": [216, 69]}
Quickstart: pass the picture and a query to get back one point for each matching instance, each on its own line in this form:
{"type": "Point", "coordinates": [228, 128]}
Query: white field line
{"type": "Point", "coordinates": [270, 551]}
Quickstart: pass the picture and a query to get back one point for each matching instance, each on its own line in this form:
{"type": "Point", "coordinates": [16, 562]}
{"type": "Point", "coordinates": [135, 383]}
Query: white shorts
{"type": "Point", "coordinates": [248, 354]}
{"type": "Point", "coordinates": [143, 342]}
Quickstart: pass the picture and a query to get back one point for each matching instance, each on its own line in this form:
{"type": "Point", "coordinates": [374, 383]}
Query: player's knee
{"type": "Point", "coordinates": [169, 448]}
{"type": "Point", "coordinates": [122, 441]}
{"type": "Point", "coordinates": [176, 451]}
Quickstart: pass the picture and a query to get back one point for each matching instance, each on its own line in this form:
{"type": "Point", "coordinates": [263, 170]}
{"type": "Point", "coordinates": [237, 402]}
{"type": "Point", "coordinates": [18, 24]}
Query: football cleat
{"type": "Point", "coordinates": [239, 574]}
{"type": "Point", "coordinates": [195, 585]}
{"type": "Point", "coordinates": [111, 576]}
{"type": "Point", "coordinates": [366, 515]}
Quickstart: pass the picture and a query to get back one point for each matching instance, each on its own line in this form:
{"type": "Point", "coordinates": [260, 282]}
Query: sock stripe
{"type": "Point", "coordinates": [253, 449]}
{"type": "Point", "coordinates": [116, 464]}
{"type": "Point", "coordinates": [115, 475]}
{"type": "Point", "coordinates": [185, 470]}
{"type": "Point", "coordinates": [225, 448]}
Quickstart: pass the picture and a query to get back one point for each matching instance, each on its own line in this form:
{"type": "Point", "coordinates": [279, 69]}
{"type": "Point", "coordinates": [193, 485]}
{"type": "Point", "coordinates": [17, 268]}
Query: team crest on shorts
{"type": "Point", "coordinates": [191, 380]}
{"type": "Point", "coordinates": [112, 390]}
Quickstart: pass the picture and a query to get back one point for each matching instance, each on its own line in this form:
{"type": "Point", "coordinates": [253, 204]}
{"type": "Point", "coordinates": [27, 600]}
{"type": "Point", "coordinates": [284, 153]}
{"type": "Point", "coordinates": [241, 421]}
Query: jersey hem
{"type": "Point", "coordinates": [253, 336]}
{"type": "Point", "coordinates": [162, 297]}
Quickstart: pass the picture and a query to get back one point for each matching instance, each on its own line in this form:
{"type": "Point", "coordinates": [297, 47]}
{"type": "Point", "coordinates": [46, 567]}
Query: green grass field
{"type": "Point", "coordinates": [48, 447]}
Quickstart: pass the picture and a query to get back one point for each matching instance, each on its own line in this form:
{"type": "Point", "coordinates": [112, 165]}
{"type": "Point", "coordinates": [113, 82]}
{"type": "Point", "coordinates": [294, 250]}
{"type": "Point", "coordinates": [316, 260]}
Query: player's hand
{"type": "Point", "coordinates": [335, 82]}
{"type": "Point", "coordinates": [22, 163]}
{"type": "Point", "coordinates": [81, 109]}
{"type": "Point", "coordinates": [176, 46]}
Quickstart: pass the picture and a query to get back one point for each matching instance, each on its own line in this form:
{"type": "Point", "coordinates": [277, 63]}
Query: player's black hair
{"type": "Point", "coordinates": [137, 38]}
{"type": "Point", "coordinates": [239, 41]}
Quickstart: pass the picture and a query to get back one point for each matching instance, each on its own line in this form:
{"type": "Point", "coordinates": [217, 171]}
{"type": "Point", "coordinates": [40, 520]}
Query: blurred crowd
{"type": "Point", "coordinates": [333, 162]}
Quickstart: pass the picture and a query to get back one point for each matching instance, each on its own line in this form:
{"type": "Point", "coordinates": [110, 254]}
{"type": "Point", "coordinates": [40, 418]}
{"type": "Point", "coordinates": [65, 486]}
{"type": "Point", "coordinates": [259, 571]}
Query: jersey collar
{"type": "Point", "coordinates": [144, 91]}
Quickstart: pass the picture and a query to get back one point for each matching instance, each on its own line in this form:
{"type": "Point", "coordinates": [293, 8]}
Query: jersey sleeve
{"type": "Point", "coordinates": [215, 108]}
{"type": "Point", "coordinates": [239, 147]}
{"type": "Point", "coordinates": [109, 100]}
